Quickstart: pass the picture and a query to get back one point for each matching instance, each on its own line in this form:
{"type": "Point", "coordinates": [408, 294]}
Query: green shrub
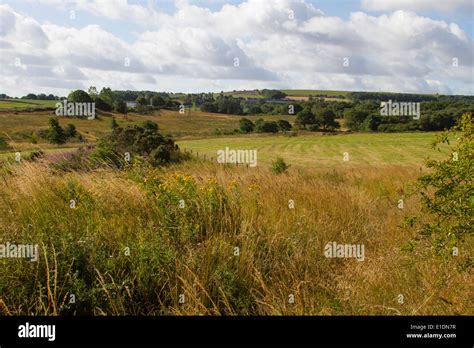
{"type": "Point", "coordinates": [279, 166]}
{"type": "Point", "coordinates": [144, 141]}
{"type": "Point", "coordinates": [447, 190]}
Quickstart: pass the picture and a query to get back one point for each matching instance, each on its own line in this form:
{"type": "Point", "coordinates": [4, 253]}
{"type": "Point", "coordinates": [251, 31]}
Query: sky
{"type": "Point", "coordinates": [412, 46]}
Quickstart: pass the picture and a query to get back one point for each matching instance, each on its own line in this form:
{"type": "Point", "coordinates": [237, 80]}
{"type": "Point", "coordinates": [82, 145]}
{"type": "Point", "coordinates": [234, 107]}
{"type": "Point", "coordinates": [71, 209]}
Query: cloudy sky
{"type": "Point", "coordinates": [53, 46]}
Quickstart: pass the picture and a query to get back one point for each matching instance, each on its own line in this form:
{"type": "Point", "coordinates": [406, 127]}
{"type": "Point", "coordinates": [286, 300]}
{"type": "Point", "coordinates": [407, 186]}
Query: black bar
{"type": "Point", "coordinates": [336, 330]}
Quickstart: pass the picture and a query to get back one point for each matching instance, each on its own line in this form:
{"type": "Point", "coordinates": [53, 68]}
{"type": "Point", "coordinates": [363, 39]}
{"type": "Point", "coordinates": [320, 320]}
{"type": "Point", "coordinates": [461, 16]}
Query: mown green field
{"type": "Point", "coordinates": [317, 151]}
{"type": "Point", "coordinates": [24, 104]}
{"type": "Point", "coordinates": [308, 92]}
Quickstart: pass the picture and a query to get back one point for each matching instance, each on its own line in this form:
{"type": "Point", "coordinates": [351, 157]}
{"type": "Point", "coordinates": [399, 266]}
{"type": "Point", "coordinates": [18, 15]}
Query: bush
{"type": "Point", "coordinates": [56, 134]}
{"type": "Point", "coordinates": [70, 131]}
{"type": "Point", "coordinates": [279, 166]}
{"type": "Point", "coordinates": [284, 125]}
{"type": "Point", "coordinates": [262, 126]}
{"type": "Point", "coordinates": [144, 141]}
{"type": "Point", "coordinates": [246, 126]}
{"type": "Point", "coordinates": [446, 191]}
{"type": "Point", "coordinates": [79, 96]}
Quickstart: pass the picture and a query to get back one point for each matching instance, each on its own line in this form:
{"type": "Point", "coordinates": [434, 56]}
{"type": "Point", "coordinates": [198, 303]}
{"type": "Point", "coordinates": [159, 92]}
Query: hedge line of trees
{"type": "Point", "coordinates": [262, 126]}
{"type": "Point", "coordinates": [33, 96]}
{"type": "Point", "coordinates": [108, 100]}
{"type": "Point", "coordinates": [434, 116]}
{"type": "Point", "coordinates": [401, 97]}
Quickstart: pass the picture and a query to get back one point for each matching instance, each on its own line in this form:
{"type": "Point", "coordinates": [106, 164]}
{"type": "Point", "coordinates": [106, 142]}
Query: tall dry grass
{"type": "Point", "coordinates": [191, 251]}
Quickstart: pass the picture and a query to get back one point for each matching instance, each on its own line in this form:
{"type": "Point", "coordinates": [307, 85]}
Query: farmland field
{"type": "Point", "coordinates": [197, 131]}
{"type": "Point", "coordinates": [308, 92]}
{"type": "Point", "coordinates": [20, 126]}
{"type": "Point", "coordinates": [318, 151]}
{"type": "Point", "coordinates": [22, 104]}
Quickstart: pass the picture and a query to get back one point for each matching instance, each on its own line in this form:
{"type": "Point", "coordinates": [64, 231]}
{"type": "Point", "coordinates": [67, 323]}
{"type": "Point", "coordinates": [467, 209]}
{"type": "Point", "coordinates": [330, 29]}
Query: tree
{"type": "Point", "coordinates": [283, 125]}
{"type": "Point", "coordinates": [93, 92]}
{"type": "Point", "coordinates": [30, 96]}
{"type": "Point", "coordinates": [55, 133]}
{"type": "Point", "coordinates": [70, 131]}
{"type": "Point", "coordinates": [102, 105]}
{"type": "Point", "coordinates": [246, 126]}
{"type": "Point", "coordinates": [158, 101]}
{"type": "Point", "coordinates": [305, 117]}
{"type": "Point", "coordinates": [355, 117]}
{"type": "Point", "coordinates": [209, 106]}
{"type": "Point", "coordinates": [121, 106]}
{"type": "Point", "coordinates": [272, 94]}
{"type": "Point", "coordinates": [371, 123]}
{"type": "Point", "coordinates": [79, 96]}
{"type": "Point", "coordinates": [447, 190]}
{"type": "Point", "coordinates": [327, 119]}
{"type": "Point", "coordinates": [107, 95]}
{"type": "Point", "coordinates": [141, 101]}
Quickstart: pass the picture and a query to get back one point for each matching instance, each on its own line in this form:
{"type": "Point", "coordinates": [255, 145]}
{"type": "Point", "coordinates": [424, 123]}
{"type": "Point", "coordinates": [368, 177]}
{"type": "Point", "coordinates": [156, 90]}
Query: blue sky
{"type": "Point", "coordinates": [191, 46]}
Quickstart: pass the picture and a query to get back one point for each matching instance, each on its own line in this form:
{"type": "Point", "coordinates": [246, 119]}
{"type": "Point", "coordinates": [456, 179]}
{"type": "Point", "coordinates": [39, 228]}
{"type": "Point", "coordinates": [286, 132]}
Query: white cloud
{"type": "Point", "coordinates": [418, 5]}
{"type": "Point", "coordinates": [277, 43]}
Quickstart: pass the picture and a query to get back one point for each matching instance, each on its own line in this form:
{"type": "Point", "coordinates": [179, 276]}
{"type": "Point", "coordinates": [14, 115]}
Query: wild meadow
{"type": "Point", "coordinates": [202, 238]}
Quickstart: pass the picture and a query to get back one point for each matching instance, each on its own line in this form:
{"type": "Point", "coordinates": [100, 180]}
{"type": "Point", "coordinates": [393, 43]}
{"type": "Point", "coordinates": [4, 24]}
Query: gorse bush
{"type": "Point", "coordinates": [137, 141]}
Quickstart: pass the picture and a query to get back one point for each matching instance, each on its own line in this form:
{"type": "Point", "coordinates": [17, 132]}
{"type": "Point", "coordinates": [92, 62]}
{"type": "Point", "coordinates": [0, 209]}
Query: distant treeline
{"type": "Point", "coordinates": [401, 97]}
{"type": "Point", "coordinates": [33, 96]}
{"type": "Point", "coordinates": [361, 110]}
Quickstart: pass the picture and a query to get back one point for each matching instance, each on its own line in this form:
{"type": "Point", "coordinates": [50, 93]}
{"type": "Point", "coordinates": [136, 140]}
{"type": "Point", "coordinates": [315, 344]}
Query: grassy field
{"type": "Point", "coordinates": [308, 92]}
{"type": "Point", "coordinates": [197, 131]}
{"type": "Point", "coordinates": [127, 248]}
{"type": "Point", "coordinates": [317, 151]}
{"type": "Point", "coordinates": [20, 126]}
{"type": "Point", "coordinates": [22, 104]}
